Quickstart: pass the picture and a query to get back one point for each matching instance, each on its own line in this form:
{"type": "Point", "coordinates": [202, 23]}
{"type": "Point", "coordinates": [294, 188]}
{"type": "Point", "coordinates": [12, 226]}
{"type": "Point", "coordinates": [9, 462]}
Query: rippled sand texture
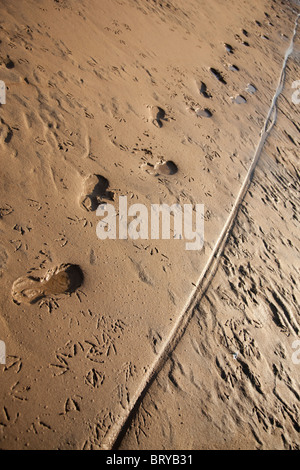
{"type": "Point", "coordinates": [142, 99]}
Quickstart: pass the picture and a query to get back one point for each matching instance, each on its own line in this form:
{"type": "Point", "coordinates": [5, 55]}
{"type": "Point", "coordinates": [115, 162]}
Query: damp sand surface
{"type": "Point", "coordinates": [135, 100]}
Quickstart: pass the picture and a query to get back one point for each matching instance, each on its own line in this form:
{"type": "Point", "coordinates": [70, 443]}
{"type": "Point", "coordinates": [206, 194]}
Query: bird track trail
{"type": "Point", "coordinates": [114, 437]}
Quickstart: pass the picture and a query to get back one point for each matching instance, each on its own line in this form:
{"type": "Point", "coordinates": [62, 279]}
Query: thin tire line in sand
{"type": "Point", "coordinates": [114, 437]}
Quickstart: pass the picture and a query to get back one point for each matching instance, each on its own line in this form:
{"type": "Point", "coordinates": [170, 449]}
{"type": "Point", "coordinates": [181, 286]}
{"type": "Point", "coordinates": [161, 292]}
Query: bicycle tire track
{"type": "Point", "coordinates": [207, 274]}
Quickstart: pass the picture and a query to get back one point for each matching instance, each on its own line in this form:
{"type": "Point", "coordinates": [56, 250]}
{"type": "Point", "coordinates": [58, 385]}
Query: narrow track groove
{"type": "Point", "coordinates": [117, 432]}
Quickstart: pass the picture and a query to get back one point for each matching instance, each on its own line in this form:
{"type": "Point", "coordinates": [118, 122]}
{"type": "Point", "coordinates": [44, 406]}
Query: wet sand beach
{"type": "Point", "coordinates": [124, 343]}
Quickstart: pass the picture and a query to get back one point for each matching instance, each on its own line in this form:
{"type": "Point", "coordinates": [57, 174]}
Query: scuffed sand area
{"type": "Point", "coordinates": [162, 102]}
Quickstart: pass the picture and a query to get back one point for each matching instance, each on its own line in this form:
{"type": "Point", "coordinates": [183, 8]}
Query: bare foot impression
{"type": "Point", "coordinates": [63, 279]}
{"type": "Point", "coordinates": [203, 91]}
{"type": "Point", "coordinates": [218, 75]}
{"type": "Point", "coordinates": [239, 39]}
{"type": "Point", "coordinates": [95, 189]}
{"type": "Point", "coordinates": [203, 112]}
{"type": "Point", "coordinates": [157, 115]}
{"type": "Point", "coordinates": [233, 68]}
{"type": "Point", "coordinates": [251, 89]}
{"type": "Point", "coordinates": [9, 64]}
{"type": "Point", "coordinates": [239, 99]}
{"type": "Point", "coordinates": [229, 48]}
{"type": "Point", "coordinates": [166, 167]}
